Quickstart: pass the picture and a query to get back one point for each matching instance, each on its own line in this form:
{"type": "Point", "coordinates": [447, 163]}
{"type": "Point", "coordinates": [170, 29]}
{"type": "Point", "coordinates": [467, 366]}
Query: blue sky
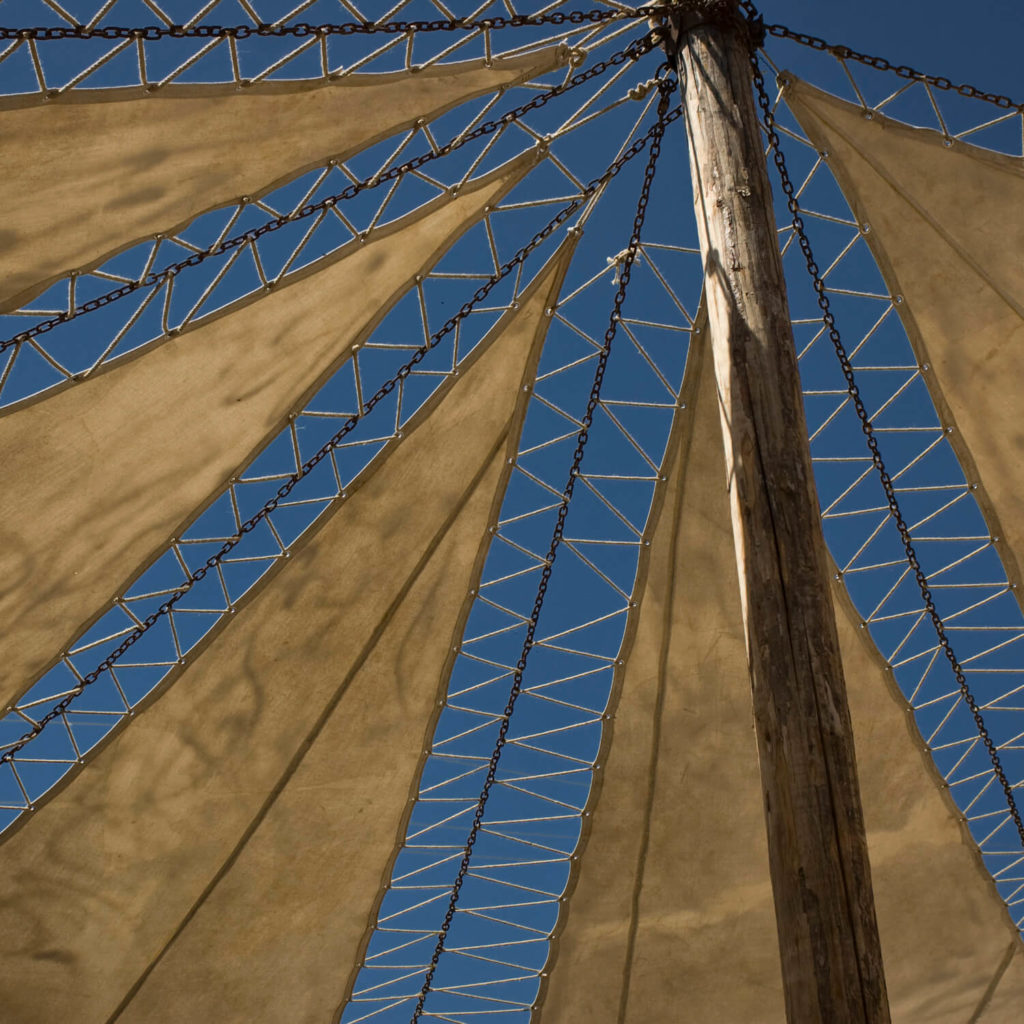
{"type": "Point", "coordinates": [982, 48]}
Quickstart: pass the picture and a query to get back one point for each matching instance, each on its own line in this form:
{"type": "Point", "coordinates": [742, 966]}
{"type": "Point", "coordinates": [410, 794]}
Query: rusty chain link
{"type": "Point", "coordinates": [632, 51]}
{"type": "Point", "coordinates": [554, 18]}
{"type": "Point", "coordinates": [666, 86]}
{"type": "Point", "coordinates": [305, 29]}
{"type": "Point", "coordinates": [653, 136]}
{"type": "Point", "coordinates": [878, 63]}
{"type": "Point", "coordinates": [829, 320]}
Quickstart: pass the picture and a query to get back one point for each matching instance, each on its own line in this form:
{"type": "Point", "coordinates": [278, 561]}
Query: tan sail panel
{"type": "Point", "coordinates": [670, 914]}
{"type": "Point", "coordinates": [228, 849]}
{"type": "Point", "coordinates": [102, 473]}
{"type": "Point", "coordinates": [947, 233]}
{"type": "Point", "coordinates": [122, 164]}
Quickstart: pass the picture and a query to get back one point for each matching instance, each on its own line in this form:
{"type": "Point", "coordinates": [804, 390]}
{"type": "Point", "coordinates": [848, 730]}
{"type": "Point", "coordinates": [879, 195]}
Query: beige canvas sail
{"type": "Point", "coordinates": [224, 854]}
{"type": "Point", "coordinates": [100, 474]}
{"type": "Point", "coordinates": [947, 232]}
{"type": "Point", "coordinates": [670, 914]}
{"type": "Point", "coordinates": [122, 164]}
{"type": "Point", "coordinates": [178, 874]}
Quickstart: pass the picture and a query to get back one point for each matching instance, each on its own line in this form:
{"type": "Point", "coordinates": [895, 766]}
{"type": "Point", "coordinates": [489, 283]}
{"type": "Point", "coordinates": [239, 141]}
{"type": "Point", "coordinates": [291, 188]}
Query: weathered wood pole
{"type": "Point", "coordinates": [828, 937]}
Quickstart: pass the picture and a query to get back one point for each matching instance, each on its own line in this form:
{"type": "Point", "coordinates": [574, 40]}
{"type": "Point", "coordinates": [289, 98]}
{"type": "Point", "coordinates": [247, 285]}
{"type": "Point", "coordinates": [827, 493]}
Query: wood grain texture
{"type": "Point", "coordinates": [828, 939]}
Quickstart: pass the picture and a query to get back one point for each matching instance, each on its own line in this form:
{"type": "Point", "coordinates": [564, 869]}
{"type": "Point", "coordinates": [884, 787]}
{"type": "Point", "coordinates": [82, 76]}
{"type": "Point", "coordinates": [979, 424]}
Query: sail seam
{"type": "Point", "coordinates": [993, 984]}
{"type": "Point", "coordinates": [656, 729]}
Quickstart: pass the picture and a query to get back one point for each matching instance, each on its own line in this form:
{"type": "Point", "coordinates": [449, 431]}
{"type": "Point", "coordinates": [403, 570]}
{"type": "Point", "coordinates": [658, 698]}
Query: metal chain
{"type": "Point", "coordinates": [305, 29]}
{"type": "Point", "coordinates": [653, 136]}
{"type": "Point", "coordinates": [666, 87]}
{"type": "Point", "coordinates": [867, 427]}
{"type": "Point", "coordinates": [881, 64]}
{"type": "Point", "coordinates": [632, 51]}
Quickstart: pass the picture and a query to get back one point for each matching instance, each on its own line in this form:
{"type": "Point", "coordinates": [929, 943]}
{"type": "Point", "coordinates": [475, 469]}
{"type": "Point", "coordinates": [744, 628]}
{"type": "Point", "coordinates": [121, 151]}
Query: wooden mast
{"type": "Point", "coordinates": [828, 938]}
